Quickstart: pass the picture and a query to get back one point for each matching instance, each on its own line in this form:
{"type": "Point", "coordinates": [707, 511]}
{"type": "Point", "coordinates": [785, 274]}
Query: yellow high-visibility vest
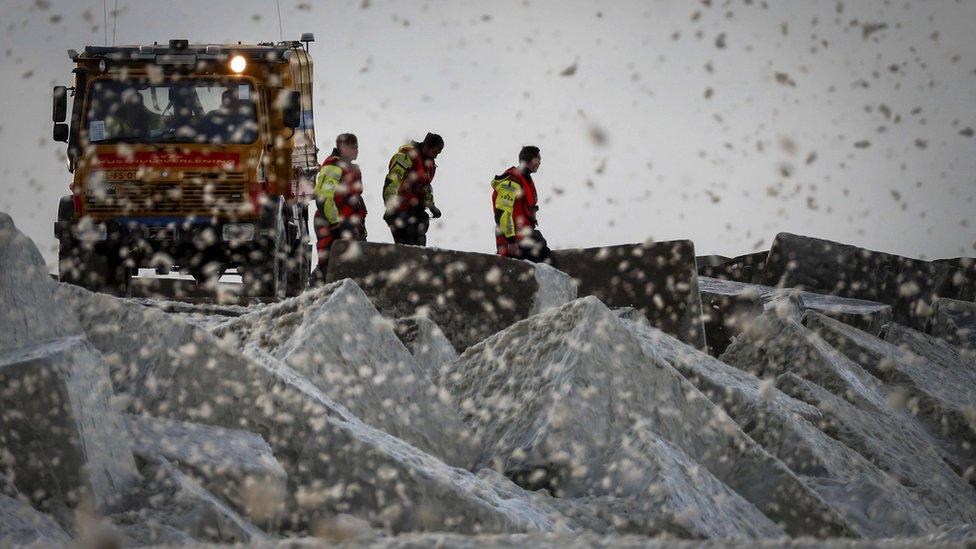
{"type": "Point", "coordinates": [507, 192]}
{"type": "Point", "coordinates": [399, 165]}
{"type": "Point", "coordinates": [325, 186]}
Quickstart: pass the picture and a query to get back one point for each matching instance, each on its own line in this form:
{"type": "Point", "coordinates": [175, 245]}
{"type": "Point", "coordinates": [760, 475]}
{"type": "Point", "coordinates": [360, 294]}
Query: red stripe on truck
{"type": "Point", "coordinates": [161, 159]}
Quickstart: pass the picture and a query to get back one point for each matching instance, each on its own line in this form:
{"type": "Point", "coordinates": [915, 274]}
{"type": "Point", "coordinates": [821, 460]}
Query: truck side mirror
{"type": "Point", "coordinates": [60, 103]}
{"type": "Point", "coordinates": [291, 112]}
{"type": "Point", "coordinates": [61, 133]}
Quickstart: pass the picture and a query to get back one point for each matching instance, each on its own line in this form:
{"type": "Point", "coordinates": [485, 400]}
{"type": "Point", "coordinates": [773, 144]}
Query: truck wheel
{"type": "Point", "coordinates": [94, 269]}
{"type": "Point", "coordinates": [265, 274]}
{"type": "Point", "coordinates": [69, 270]}
{"type": "Point", "coordinates": [298, 260]}
{"type": "Point", "coordinates": [207, 276]}
{"type": "Point", "coordinates": [85, 265]}
{"type": "Point", "coordinates": [206, 269]}
{"type": "Point", "coordinates": [71, 263]}
{"type": "Point", "coordinates": [117, 275]}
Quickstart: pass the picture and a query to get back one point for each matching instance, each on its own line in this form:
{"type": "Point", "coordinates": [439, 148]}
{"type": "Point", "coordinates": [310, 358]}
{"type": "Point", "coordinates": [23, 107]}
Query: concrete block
{"type": "Point", "coordinates": [335, 463]}
{"type": "Point", "coordinates": [631, 314]}
{"type": "Point", "coordinates": [555, 288]}
{"type": "Point", "coordinates": [933, 348]}
{"type": "Point", "coordinates": [209, 316]}
{"type": "Point", "coordinates": [178, 509]}
{"type": "Point", "coordinates": [730, 306]}
{"type": "Point", "coordinates": [7, 488]}
{"type": "Point", "coordinates": [744, 268]}
{"type": "Point", "coordinates": [342, 345]}
{"type": "Point", "coordinates": [29, 310]}
{"type": "Point", "coordinates": [908, 285]}
{"type": "Point", "coordinates": [555, 396]}
{"type": "Point", "coordinates": [469, 295]}
{"type": "Point", "coordinates": [236, 466]}
{"type": "Point", "coordinates": [944, 398]}
{"type": "Point", "coordinates": [728, 309]}
{"type": "Point", "coordinates": [347, 466]}
{"type": "Point", "coordinates": [658, 279]}
{"type": "Point", "coordinates": [64, 438]}
{"type": "Point", "coordinates": [859, 410]}
{"type": "Point", "coordinates": [955, 322]}
{"type": "Point", "coordinates": [678, 498]}
{"type": "Point", "coordinates": [427, 343]}
{"type": "Point", "coordinates": [680, 489]}
{"type": "Point", "coordinates": [21, 524]}
{"type": "Point", "coordinates": [870, 500]}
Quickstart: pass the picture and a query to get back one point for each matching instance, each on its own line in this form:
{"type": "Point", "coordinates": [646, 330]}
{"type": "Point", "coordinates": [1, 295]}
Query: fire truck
{"type": "Point", "coordinates": [196, 158]}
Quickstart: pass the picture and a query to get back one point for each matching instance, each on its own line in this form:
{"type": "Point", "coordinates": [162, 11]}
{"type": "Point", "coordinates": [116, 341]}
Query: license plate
{"type": "Point", "coordinates": [161, 233]}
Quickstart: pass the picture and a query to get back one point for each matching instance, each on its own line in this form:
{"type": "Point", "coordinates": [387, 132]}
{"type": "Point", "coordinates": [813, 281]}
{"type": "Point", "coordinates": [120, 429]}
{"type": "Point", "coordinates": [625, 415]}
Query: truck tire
{"type": "Point", "coordinates": [68, 249]}
{"type": "Point", "coordinates": [205, 266]}
{"type": "Point", "coordinates": [116, 276]}
{"type": "Point", "coordinates": [99, 269]}
{"type": "Point", "coordinates": [265, 275]}
{"type": "Point", "coordinates": [298, 260]}
{"type": "Point", "coordinates": [71, 264]}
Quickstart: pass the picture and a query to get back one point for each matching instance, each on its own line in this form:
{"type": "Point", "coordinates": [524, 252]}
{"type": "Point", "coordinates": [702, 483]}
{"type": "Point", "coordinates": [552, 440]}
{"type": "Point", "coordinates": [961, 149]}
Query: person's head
{"type": "Point", "coordinates": [228, 99]}
{"type": "Point", "coordinates": [184, 100]}
{"type": "Point", "coordinates": [531, 158]}
{"type": "Point", "coordinates": [432, 146]}
{"type": "Point", "coordinates": [347, 146]}
{"type": "Point", "coordinates": [132, 99]}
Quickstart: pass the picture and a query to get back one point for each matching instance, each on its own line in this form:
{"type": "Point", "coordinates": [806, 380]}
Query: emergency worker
{"type": "Point", "coordinates": [232, 121]}
{"type": "Point", "coordinates": [407, 191]}
{"type": "Point", "coordinates": [515, 203]}
{"type": "Point", "coordinates": [184, 102]}
{"type": "Point", "coordinates": [133, 118]}
{"type": "Point", "coordinates": [341, 212]}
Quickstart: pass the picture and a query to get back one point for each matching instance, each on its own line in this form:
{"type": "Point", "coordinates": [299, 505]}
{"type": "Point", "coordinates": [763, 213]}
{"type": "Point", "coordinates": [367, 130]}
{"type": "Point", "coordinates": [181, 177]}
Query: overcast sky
{"type": "Point", "coordinates": [720, 122]}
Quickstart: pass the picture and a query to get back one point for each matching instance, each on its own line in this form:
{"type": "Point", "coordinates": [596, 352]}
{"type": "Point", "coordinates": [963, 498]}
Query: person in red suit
{"type": "Point", "coordinates": [516, 204]}
{"type": "Point", "coordinates": [341, 212]}
{"type": "Point", "coordinates": [408, 193]}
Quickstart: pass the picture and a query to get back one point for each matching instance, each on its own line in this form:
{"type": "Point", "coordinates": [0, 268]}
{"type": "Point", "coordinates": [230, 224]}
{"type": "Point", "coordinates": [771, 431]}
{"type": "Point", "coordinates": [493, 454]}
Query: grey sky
{"type": "Point", "coordinates": [814, 124]}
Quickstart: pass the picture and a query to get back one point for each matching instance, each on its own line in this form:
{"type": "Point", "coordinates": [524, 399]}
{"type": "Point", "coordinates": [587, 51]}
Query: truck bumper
{"type": "Point", "coordinates": [185, 241]}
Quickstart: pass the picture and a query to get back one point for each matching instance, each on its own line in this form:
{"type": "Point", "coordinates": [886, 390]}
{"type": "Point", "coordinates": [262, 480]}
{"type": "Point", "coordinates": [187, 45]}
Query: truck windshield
{"type": "Point", "coordinates": [197, 110]}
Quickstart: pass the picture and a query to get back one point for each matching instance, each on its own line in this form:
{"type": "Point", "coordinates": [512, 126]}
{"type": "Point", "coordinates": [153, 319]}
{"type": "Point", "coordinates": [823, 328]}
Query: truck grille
{"type": "Point", "coordinates": [223, 176]}
{"type": "Point", "coordinates": [214, 197]}
{"type": "Point", "coordinates": [192, 196]}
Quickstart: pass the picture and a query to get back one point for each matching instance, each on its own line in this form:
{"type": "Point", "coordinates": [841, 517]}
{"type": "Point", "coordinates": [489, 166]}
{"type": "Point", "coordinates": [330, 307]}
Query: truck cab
{"type": "Point", "coordinates": [195, 158]}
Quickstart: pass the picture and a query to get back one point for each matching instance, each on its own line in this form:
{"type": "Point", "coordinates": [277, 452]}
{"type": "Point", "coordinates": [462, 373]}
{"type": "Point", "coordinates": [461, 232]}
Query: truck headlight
{"type": "Point", "coordinates": [238, 231]}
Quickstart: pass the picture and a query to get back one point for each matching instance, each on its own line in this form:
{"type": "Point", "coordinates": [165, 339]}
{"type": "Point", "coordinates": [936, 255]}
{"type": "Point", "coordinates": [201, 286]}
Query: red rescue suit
{"type": "Point", "coordinates": [342, 211]}
{"type": "Point", "coordinates": [515, 203]}
{"type": "Point", "coordinates": [408, 183]}
{"type": "Point", "coordinates": [407, 194]}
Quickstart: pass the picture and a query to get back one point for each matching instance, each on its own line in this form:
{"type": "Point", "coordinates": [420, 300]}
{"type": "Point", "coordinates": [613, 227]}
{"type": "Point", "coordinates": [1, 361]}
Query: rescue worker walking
{"type": "Point", "coordinates": [407, 191]}
{"type": "Point", "coordinates": [515, 203]}
{"type": "Point", "coordinates": [341, 212]}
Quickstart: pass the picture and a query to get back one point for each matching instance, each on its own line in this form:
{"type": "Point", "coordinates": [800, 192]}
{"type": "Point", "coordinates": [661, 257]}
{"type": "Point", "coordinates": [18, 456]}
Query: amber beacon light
{"type": "Point", "coordinates": [238, 64]}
